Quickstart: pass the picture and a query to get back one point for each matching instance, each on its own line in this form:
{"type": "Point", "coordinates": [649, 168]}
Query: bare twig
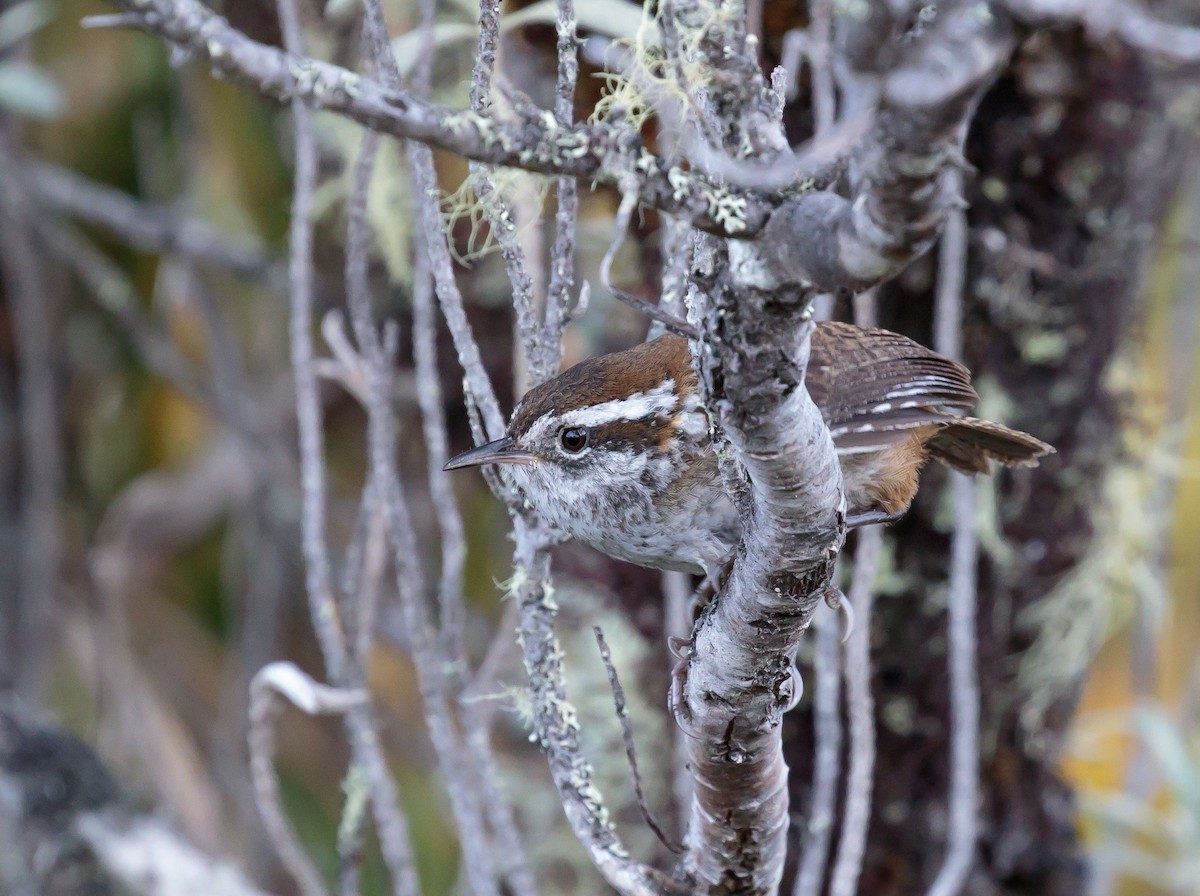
{"type": "Point", "coordinates": [860, 773]}
{"type": "Point", "coordinates": [824, 98]}
{"type": "Point", "coordinates": [286, 680]}
{"type": "Point", "coordinates": [663, 318]}
{"type": "Point", "coordinates": [449, 296]}
{"type": "Point", "coordinates": [429, 663]}
{"type": "Point", "coordinates": [557, 728]}
{"type": "Point", "coordinates": [325, 616]}
{"type": "Point", "coordinates": [618, 692]}
{"type": "Point", "coordinates": [144, 225]}
{"type": "Point", "coordinates": [562, 254]}
{"type": "Point", "coordinates": [27, 631]}
{"type": "Point", "coordinates": [497, 209]}
{"type": "Point", "coordinates": [395, 843]}
{"type": "Point", "coordinates": [1127, 20]}
{"type": "Point", "coordinates": [963, 824]}
{"type": "Point", "coordinates": [817, 832]}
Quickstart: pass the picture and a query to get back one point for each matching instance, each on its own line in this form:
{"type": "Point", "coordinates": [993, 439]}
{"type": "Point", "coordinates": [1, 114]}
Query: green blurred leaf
{"type": "Point", "coordinates": [29, 91]}
{"type": "Point", "coordinates": [20, 21]}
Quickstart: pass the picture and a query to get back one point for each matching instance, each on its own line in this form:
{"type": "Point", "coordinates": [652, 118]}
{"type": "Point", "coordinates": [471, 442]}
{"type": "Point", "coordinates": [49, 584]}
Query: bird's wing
{"type": "Point", "coordinates": [872, 386]}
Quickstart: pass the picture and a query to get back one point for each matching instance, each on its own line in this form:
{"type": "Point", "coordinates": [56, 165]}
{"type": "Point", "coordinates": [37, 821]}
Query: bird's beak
{"type": "Point", "coordinates": [501, 451]}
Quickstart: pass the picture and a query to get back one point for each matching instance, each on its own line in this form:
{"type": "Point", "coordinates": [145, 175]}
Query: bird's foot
{"type": "Point", "coordinates": [872, 517]}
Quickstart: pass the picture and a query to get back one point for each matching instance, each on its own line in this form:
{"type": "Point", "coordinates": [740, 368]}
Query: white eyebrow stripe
{"type": "Point", "coordinates": [637, 406]}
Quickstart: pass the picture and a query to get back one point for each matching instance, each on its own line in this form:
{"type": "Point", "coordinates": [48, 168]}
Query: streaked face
{"type": "Point", "coordinates": [598, 439]}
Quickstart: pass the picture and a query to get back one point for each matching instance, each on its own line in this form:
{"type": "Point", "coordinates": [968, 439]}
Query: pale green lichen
{"type": "Point", "coordinates": [1120, 574]}
{"type": "Point", "coordinates": [464, 204]}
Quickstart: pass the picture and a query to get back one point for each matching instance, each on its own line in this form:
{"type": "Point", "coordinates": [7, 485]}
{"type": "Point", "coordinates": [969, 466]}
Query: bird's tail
{"type": "Point", "coordinates": [968, 444]}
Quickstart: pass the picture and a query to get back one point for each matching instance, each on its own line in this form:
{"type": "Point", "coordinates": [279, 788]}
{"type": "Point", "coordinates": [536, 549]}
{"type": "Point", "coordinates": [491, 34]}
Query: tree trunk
{"type": "Point", "coordinates": [1076, 163]}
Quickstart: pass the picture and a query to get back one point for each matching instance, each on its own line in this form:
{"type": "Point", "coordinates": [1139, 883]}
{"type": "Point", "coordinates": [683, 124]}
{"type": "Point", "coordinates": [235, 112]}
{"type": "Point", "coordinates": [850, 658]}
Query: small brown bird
{"type": "Point", "coordinates": [615, 451]}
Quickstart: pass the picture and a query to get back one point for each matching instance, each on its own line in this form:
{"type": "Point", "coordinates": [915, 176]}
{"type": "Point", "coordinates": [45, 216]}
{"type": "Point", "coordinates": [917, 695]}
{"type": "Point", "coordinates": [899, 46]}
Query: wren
{"type": "Point", "coordinates": [615, 451]}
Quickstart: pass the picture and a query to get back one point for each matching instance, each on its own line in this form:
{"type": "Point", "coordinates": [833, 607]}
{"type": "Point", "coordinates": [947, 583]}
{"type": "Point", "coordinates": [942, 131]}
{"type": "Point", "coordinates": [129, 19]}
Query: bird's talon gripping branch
{"type": "Point", "coordinates": [681, 648]}
{"type": "Point", "coordinates": [676, 701]}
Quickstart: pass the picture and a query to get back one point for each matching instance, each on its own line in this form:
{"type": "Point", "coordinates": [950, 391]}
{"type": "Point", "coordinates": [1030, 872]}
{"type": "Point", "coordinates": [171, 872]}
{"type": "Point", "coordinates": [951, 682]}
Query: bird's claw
{"type": "Point", "coordinates": [676, 702]}
{"type": "Point", "coordinates": [681, 648]}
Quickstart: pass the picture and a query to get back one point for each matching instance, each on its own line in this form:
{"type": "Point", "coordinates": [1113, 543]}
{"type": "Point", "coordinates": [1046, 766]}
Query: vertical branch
{"type": "Point", "coordinates": [324, 611]}
{"type": "Point", "coordinates": [676, 254]}
{"type": "Point", "coordinates": [477, 384]}
{"type": "Point", "coordinates": [562, 255]}
{"type": "Point", "coordinates": [476, 379]}
{"type": "Point", "coordinates": [827, 721]}
{"type": "Point", "coordinates": [819, 44]}
{"type": "Point", "coordinates": [511, 854]}
{"type": "Point", "coordinates": [557, 728]}
{"type": "Point", "coordinates": [677, 615]}
{"type": "Point", "coordinates": [963, 810]}
{"type": "Point", "coordinates": [496, 207]}
{"type": "Point", "coordinates": [431, 676]}
{"type": "Point", "coordinates": [26, 643]}
{"type": "Point", "coordinates": [394, 840]}
{"type": "Point", "coordinates": [859, 775]}
{"type": "Point", "coordinates": [433, 423]}
{"type": "Point", "coordinates": [268, 685]}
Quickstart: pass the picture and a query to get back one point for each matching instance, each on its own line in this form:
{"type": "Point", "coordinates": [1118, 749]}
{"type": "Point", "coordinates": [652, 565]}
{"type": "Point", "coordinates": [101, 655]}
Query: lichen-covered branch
{"type": "Point", "coordinates": [739, 678]}
{"type": "Point", "coordinates": [900, 176]}
{"type": "Point", "coordinates": [750, 302]}
{"type": "Point", "coordinates": [540, 144]}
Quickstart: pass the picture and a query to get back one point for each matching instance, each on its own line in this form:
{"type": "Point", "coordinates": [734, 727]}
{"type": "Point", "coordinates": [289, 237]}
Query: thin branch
{"type": "Point", "coordinates": [963, 810]}
{"type": "Point", "coordinates": [394, 839]}
{"type": "Point", "coordinates": [820, 38]}
{"type": "Point", "coordinates": [433, 420]}
{"type": "Point", "coordinates": [449, 296]}
{"type": "Point", "coordinates": [28, 632]}
{"type": "Point", "coordinates": [598, 152]}
{"type": "Point", "coordinates": [429, 663]}
{"type": "Point", "coordinates": [147, 226]}
{"type": "Point", "coordinates": [817, 833]}
{"type": "Point", "coordinates": [622, 709]}
{"type": "Point", "coordinates": [271, 682]}
{"type": "Point", "coordinates": [656, 313]}
{"type": "Point", "coordinates": [465, 802]}
{"type": "Point", "coordinates": [659, 315]}
{"type": "Point", "coordinates": [511, 854]}
{"type": "Point", "coordinates": [861, 771]}
{"type": "Point", "coordinates": [322, 607]}
{"type": "Point", "coordinates": [557, 728]}
{"type": "Point", "coordinates": [1127, 20]}
{"type": "Point", "coordinates": [496, 208]}
{"type": "Point", "coordinates": [562, 254]}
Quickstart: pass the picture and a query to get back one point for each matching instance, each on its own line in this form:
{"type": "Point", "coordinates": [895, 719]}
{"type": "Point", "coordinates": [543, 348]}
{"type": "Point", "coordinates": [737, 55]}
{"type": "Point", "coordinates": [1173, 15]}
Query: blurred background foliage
{"type": "Point", "coordinates": [179, 561]}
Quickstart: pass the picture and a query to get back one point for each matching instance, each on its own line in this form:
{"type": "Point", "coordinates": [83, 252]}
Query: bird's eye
{"type": "Point", "coordinates": [573, 439]}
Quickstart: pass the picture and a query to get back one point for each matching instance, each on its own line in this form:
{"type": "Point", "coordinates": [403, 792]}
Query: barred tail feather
{"type": "Point", "coordinates": [969, 443]}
